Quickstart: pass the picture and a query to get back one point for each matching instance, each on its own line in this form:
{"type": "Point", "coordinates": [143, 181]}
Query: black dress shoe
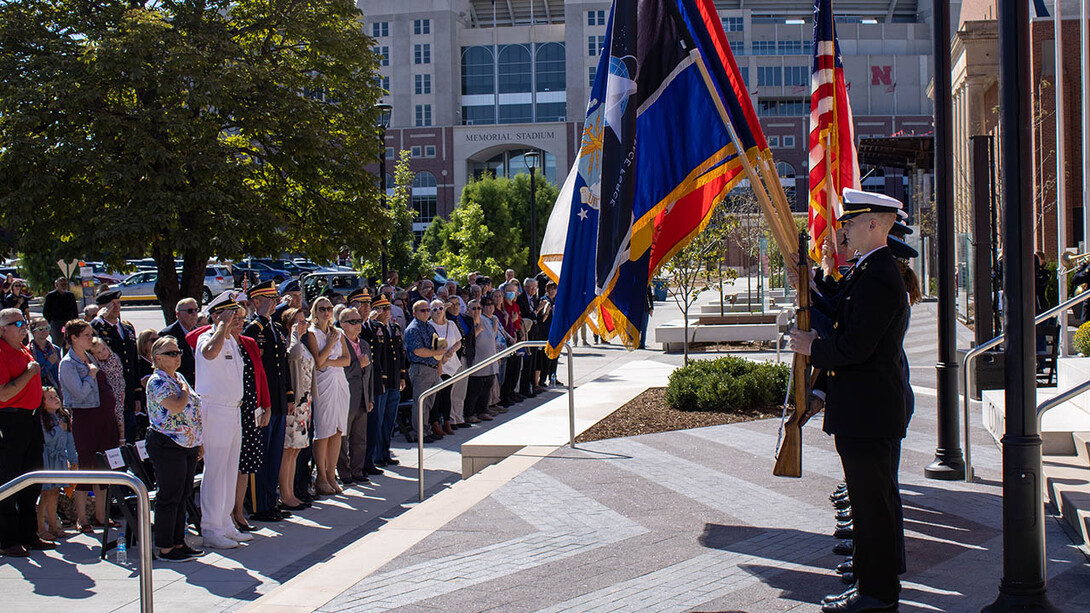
{"type": "Point", "coordinates": [248, 527]}
{"type": "Point", "coordinates": [392, 462]}
{"type": "Point", "coordinates": [844, 515]}
{"type": "Point", "coordinates": [362, 480]}
{"type": "Point", "coordinates": [284, 514]}
{"type": "Point", "coordinates": [843, 531]}
{"type": "Point", "coordinates": [347, 480]}
{"type": "Point", "coordinates": [298, 507]}
{"type": "Point", "coordinates": [844, 567]}
{"type": "Point", "coordinates": [841, 596]}
{"type": "Point", "coordinates": [848, 578]}
{"type": "Point", "coordinates": [372, 470]}
{"type": "Point", "coordinates": [428, 438]}
{"type": "Point", "coordinates": [266, 516]}
{"type": "Point", "coordinates": [380, 464]}
{"type": "Point", "coordinates": [858, 603]}
{"type": "Point", "coordinates": [840, 505]}
{"type": "Point", "coordinates": [844, 548]}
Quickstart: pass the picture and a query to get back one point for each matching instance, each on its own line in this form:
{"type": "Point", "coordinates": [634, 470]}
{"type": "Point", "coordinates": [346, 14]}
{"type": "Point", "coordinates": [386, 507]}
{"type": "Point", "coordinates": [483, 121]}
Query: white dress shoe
{"type": "Point", "coordinates": [241, 537]}
{"type": "Point", "coordinates": [219, 542]}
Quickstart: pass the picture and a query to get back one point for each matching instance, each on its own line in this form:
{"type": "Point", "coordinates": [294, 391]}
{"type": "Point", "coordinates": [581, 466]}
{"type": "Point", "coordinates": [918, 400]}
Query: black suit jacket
{"type": "Point", "coordinates": [270, 339]}
{"type": "Point", "coordinates": [189, 366]}
{"type": "Point", "coordinates": [863, 358]}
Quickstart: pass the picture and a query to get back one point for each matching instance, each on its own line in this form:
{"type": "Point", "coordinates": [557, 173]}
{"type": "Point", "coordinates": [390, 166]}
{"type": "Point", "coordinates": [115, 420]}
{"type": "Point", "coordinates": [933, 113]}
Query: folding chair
{"type": "Point", "coordinates": [1048, 348]}
{"type": "Point", "coordinates": [117, 498]}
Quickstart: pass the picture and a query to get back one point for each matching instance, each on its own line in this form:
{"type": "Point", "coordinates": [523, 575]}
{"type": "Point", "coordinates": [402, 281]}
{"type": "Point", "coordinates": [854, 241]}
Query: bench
{"type": "Point", "coordinates": [736, 318]}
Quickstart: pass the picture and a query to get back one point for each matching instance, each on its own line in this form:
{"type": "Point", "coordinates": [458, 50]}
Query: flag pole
{"type": "Point", "coordinates": [830, 198]}
{"type": "Point", "coordinates": [772, 213]}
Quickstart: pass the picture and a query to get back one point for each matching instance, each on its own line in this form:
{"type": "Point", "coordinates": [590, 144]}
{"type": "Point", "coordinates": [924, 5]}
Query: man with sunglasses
{"type": "Point", "coordinates": [186, 312]}
{"type": "Point", "coordinates": [20, 436]}
{"type": "Point", "coordinates": [423, 362]}
{"type": "Point", "coordinates": [270, 338]}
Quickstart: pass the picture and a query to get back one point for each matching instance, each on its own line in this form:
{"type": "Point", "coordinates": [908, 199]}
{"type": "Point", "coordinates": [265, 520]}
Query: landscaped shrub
{"type": "Point", "coordinates": [727, 384]}
{"type": "Point", "coordinates": [1082, 339]}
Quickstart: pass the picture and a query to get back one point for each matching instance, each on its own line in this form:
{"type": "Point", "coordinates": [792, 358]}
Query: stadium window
{"type": "Point", "coordinates": [422, 83]}
{"type": "Point", "coordinates": [421, 26]}
{"type": "Point", "coordinates": [424, 200]}
{"type": "Point", "coordinates": [423, 115]}
{"type": "Point", "coordinates": [790, 47]}
{"type": "Point", "coordinates": [764, 47]}
{"type": "Point", "coordinates": [416, 151]}
{"type": "Point", "coordinates": [550, 71]}
{"type": "Point", "coordinates": [516, 113]}
{"type": "Point", "coordinates": [788, 142]}
{"type": "Point", "coordinates": [744, 71]}
{"type": "Point", "coordinates": [384, 55]}
{"type": "Point", "coordinates": [422, 53]}
{"type": "Point", "coordinates": [514, 69]}
{"type": "Point", "coordinates": [478, 115]}
{"type": "Point", "coordinates": [595, 45]}
{"type": "Point", "coordinates": [552, 111]}
{"type": "Point", "coordinates": [796, 76]}
{"type": "Point", "coordinates": [477, 71]}
{"type": "Point", "coordinates": [591, 73]}
{"type": "Point", "coordinates": [769, 76]}
{"type": "Point", "coordinates": [774, 142]}
{"type": "Point", "coordinates": [733, 24]}
{"type": "Point", "coordinates": [380, 28]}
{"type": "Point", "coordinates": [596, 18]}
{"type": "Point", "coordinates": [389, 153]}
{"type": "Point", "coordinates": [383, 83]}
{"type": "Point", "coordinates": [429, 151]}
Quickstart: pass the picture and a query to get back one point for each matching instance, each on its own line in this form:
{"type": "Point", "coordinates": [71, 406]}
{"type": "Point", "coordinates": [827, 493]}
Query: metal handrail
{"type": "Point", "coordinates": [476, 367]}
{"type": "Point", "coordinates": [1059, 399]}
{"type": "Point", "coordinates": [102, 477]}
{"type": "Point", "coordinates": [981, 348]}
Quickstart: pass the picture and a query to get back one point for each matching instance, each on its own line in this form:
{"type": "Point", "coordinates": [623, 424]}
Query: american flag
{"type": "Point", "coordinates": [834, 163]}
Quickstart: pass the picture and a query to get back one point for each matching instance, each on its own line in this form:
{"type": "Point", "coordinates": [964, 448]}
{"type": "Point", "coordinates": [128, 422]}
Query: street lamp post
{"type": "Point", "coordinates": [531, 160]}
{"type": "Point", "coordinates": [383, 123]}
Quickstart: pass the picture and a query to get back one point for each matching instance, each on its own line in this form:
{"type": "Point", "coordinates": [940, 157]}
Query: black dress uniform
{"type": "Point", "coordinates": [121, 338]}
{"type": "Point", "coordinates": [865, 409]}
{"type": "Point", "coordinates": [270, 338]}
{"type": "Point", "coordinates": [388, 371]}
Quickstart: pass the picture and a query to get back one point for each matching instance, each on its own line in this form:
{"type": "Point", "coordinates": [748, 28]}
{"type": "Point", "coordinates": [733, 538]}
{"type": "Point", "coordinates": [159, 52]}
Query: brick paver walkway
{"type": "Point", "coordinates": [694, 520]}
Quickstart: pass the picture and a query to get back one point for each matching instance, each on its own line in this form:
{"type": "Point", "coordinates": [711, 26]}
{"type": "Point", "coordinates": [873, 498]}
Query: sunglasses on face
{"type": "Point", "coordinates": [171, 354]}
{"type": "Point", "coordinates": [474, 308]}
{"type": "Point", "coordinates": [324, 309]}
{"type": "Point", "coordinates": [384, 308]}
{"type": "Point", "coordinates": [19, 323]}
{"type": "Point", "coordinates": [39, 328]}
{"type": "Point", "coordinates": [352, 322]}
{"type": "Point", "coordinates": [436, 309]}
{"type": "Point", "coordinates": [420, 310]}
{"type": "Point", "coordinates": [190, 311]}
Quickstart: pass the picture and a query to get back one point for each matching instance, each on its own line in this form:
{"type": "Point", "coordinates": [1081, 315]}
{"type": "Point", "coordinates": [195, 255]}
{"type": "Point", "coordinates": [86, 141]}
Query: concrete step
{"type": "Point", "coordinates": [1071, 372]}
{"type": "Point", "coordinates": [1056, 427]}
{"type": "Point", "coordinates": [1067, 486]}
{"type": "Point", "coordinates": [1082, 447]}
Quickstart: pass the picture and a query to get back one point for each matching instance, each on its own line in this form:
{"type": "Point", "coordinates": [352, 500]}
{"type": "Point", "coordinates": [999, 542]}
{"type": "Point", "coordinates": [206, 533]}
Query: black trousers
{"type": "Point", "coordinates": [478, 391]}
{"type": "Point", "coordinates": [871, 474]}
{"type": "Point", "coordinates": [440, 410]}
{"type": "Point", "coordinates": [512, 365]}
{"type": "Point", "coordinates": [174, 469]}
{"type": "Point", "coordinates": [20, 452]}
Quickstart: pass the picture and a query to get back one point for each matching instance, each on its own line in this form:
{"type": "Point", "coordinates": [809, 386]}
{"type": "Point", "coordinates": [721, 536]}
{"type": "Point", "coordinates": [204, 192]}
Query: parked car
{"type": "Point", "coordinates": [140, 286]}
{"type": "Point", "coordinates": [257, 272]}
{"type": "Point", "coordinates": [294, 269]}
{"type": "Point", "coordinates": [341, 282]}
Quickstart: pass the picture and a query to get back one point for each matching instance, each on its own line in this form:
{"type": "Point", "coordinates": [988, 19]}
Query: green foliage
{"type": "Point", "coordinates": [191, 129]}
{"type": "Point", "coordinates": [728, 384]}
{"type": "Point", "coordinates": [501, 207]}
{"type": "Point", "coordinates": [403, 256]}
{"type": "Point", "coordinates": [1081, 342]}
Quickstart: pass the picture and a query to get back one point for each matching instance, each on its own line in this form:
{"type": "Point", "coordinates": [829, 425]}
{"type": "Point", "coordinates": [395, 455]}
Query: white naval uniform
{"type": "Point", "coordinates": [220, 382]}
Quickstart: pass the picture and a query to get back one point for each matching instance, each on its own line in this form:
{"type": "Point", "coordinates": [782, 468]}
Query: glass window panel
{"type": "Point", "coordinates": [515, 113]}
{"type": "Point", "coordinates": [550, 67]}
{"type": "Point", "coordinates": [514, 69]}
{"type": "Point", "coordinates": [477, 71]}
{"type": "Point", "coordinates": [478, 115]}
{"type": "Point", "coordinates": [552, 111]}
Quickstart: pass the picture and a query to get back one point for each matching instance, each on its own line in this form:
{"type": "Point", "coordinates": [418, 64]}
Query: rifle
{"type": "Point", "coordinates": [789, 455]}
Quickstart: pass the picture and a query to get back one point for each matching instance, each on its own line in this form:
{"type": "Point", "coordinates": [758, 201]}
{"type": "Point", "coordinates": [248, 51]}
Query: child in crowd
{"type": "Point", "coordinates": [58, 453]}
{"type": "Point", "coordinates": [110, 364]}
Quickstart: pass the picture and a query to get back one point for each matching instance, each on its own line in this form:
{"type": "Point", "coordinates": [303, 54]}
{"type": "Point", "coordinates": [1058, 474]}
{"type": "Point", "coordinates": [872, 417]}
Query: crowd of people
{"type": "Point", "coordinates": [278, 402]}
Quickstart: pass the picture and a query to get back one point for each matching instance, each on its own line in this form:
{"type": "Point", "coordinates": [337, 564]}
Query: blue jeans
{"type": "Point", "coordinates": [384, 418]}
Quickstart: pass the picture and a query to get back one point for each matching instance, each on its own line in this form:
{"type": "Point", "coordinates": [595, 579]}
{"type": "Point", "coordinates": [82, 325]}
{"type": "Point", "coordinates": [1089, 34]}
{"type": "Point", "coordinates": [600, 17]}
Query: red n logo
{"type": "Point", "coordinates": [881, 75]}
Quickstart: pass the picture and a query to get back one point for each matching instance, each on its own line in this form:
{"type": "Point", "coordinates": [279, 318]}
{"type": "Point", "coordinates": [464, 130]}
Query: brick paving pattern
{"type": "Point", "coordinates": [694, 520]}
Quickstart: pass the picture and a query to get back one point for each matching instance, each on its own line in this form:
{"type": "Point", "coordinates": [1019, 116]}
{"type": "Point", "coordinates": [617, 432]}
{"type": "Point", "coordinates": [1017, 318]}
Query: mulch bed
{"type": "Point", "coordinates": [648, 413]}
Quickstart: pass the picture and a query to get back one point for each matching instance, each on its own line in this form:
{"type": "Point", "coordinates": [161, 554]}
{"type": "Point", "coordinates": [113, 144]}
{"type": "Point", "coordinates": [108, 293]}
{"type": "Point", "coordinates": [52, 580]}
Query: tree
{"type": "Point", "coordinates": [468, 245]}
{"type": "Point", "coordinates": [689, 268]}
{"type": "Point", "coordinates": [187, 129]}
{"type": "Point", "coordinates": [402, 253]}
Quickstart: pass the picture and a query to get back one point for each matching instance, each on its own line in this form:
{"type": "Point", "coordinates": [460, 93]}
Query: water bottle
{"type": "Point", "coordinates": [122, 550]}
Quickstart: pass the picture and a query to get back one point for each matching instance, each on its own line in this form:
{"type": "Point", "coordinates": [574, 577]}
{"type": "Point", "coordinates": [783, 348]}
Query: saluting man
{"type": "Point", "coordinates": [274, 357]}
{"type": "Point", "coordinates": [220, 385]}
{"type": "Point", "coordinates": [864, 386]}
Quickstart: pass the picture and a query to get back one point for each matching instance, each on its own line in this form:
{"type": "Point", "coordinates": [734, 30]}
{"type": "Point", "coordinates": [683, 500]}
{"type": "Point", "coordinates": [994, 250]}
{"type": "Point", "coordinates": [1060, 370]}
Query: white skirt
{"type": "Point", "coordinates": [330, 407]}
